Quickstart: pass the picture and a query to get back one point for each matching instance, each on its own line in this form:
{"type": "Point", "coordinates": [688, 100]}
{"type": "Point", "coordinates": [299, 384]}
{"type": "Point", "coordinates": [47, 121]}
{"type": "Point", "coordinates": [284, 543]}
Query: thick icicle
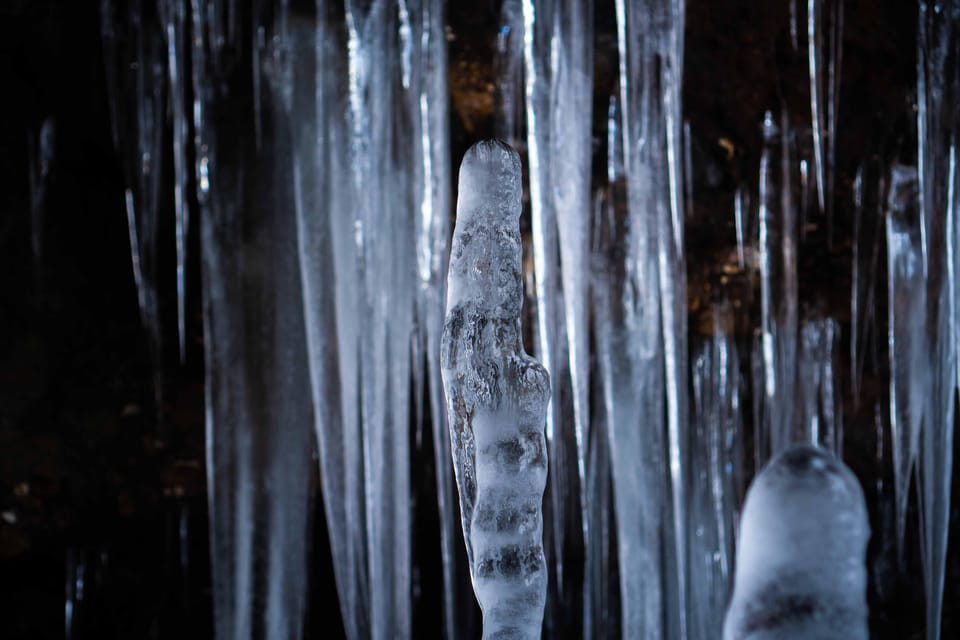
{"type": "Point", "coordinates": [650, 42]}
{"type": "Point", "coordinates": [497, 398]}
{"type": "Point", "coordinates": [907, 319]}
{"type": "Point", "coordinates": [559, 76]}
{"type": "Point", "coordinates": [311, 101]}
{"type": "Point", "coordinates": [382, 224]}
{"type": "Point", "coordinates": [630, 358]}
{"type": "Point", "coordinates": [558, 41]}
{"type": "Point", "coordinates": [259, 419]}
{"type": "Point", "coordinates": [938, 130]}
{"type": "Point", "coordinates": [716, 463]}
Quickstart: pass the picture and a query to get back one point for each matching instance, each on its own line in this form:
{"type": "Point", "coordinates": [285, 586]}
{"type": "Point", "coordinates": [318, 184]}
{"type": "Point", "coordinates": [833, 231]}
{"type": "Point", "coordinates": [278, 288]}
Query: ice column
{"type": "Point", "coordinates": [497, 398]}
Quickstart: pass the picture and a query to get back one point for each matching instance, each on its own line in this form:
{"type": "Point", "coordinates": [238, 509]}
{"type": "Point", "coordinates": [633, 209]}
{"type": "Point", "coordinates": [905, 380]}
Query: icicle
{"type": "Point", "coordinates": [630, 358]}
{"type": "Point", "coordinates": [259, 420]}
{"type": "Point", "coordinates": [906, 309]}
{"type": "Point", "coordinates": [40, 152]}
{"type": "Point", "coordinates": [432, 208]}
{"type": "Point", "coordinates": [558, 45]}
{"type": "Point", "coordinates": [173, 19]}
{"type": "Point", "coordinates": [867, 217]}
{"type": "Point", "coordinates": [741, 209]}
{"type": "Point", "coordinates": [378, 201]}
{"type": "Point", "coordinates": [509, 73]}
{"type": "Point", "coordinates": [134, 59]}
{"type": "Point", "coordinates": [778, 280]}
{"type": "Point", "coordinates": [312, 101]}
{"type": "Point", "coordinates": [650, 41]}
{"type": "Point", "coordinates": [824, 69]}
{"type": "Point", "coordinates": [715, 461]}
{"type": "Point", "coordinates": [938, 124]}
{"type": "Point", "coordinates": [819, 409]}
{"type": "Point", "coordinates": [497, 398]}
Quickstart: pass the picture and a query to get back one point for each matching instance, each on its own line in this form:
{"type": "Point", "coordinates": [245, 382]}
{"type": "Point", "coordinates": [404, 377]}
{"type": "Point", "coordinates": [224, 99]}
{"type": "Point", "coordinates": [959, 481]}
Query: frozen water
{"type": "Point", "coordinates": [800, 567]}
{"type": "Point", "coordinates": [497, 398]}
{"type": "Point", "coordinates": [906, 317]}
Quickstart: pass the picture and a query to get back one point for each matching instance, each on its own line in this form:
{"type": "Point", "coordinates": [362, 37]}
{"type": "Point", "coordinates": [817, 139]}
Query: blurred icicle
{"type": "Point", "coordinates": [824, 65]}
{"type": "Point", "coordinates": [907, 319]}
{"type": "Point", "coordinates": [259, 417]}
{"type": "Point", "coordinates": [382, 221]}
{"type": "Point", "coordinates": [819, 406]}
{"type": "Point", "coordinates": [426, 95]}
{"type": "Point", "coordinates": [135, 70]}
{"type": "Point", "coordinates": [40, 159]}
{"type": "Point", "coordinates": [509, 71]}
{"type": "Point", "coordinates": [558, 54]}
{"type": "Point", "coordinates": [650, 42]}
{"type": "Point", "coordinates": [778, 288]}
{"type": "Point", "coordinates": [173, 18]}
{"type": "Point", "coordinates": [311, 101]}
{"type": "Point", "coordinates": [868, 191]}
{"type": "Point", "coordinates": [716, 465]}
{"type": "Point", "coordinates": [938, 132]}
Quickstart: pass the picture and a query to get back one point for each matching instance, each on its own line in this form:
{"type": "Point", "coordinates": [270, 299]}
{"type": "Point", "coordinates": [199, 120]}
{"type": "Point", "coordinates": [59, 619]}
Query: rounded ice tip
{"type": "Point", "coordinates": [490, 174]}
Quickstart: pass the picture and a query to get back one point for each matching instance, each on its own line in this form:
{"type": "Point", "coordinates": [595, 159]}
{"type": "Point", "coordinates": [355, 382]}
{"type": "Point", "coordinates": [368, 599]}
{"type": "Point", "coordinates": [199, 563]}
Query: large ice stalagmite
{"type": "Point", "coordinates": [497, 398]}
{"type": "Point", "coordinates": [800, 570]}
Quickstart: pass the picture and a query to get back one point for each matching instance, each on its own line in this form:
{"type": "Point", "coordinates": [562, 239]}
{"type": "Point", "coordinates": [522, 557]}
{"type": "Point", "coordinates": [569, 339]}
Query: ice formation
{"type": "Point", "coordinates": [800, 569]}
{"type": "Point", "coordinates": [497, 398]}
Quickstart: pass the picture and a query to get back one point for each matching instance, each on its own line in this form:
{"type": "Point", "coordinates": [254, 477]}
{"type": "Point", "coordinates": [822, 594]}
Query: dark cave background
{"type": "Point", "coordinates": [103, 485]}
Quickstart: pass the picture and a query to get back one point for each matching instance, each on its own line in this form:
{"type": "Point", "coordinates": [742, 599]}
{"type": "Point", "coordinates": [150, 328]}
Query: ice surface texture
{"type": "Point", "coordinates": [800, 559]}
{"type": "Point", "coordinates": [497, 398]}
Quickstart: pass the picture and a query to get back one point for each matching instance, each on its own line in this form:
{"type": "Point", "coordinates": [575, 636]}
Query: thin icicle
{"type": "Point", "coordinates": [432, 209]}
{"type": "Point", "coordinates": [906, 313]}
{"type": "Point", "coordinates": [819, 409]}
{"type": "Point", "coordinates": [741, 209]}
{"type": "Point", "coordinates": [134, 58]}
{"type": "Point", "coordinates": [509, 72]}
{"type": "Point", "coordinates": [778, 280]}
{"type": "Point", "coordinates": [40, 157]}
{"type": "Point", "coordinates": [540, 51]}
{"type": "Point", "coordinates": [173, 17]}
{"type": "Point", "coordinates": [824, 64]}
{"type": "Point", "coordinates": [867, 225]}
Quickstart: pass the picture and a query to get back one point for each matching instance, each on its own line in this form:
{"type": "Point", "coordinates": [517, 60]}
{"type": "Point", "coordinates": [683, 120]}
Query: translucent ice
{"type": "Point", "coordinates": [497, 398]}
{"type": "Point", "coordinates": [800, 570]}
